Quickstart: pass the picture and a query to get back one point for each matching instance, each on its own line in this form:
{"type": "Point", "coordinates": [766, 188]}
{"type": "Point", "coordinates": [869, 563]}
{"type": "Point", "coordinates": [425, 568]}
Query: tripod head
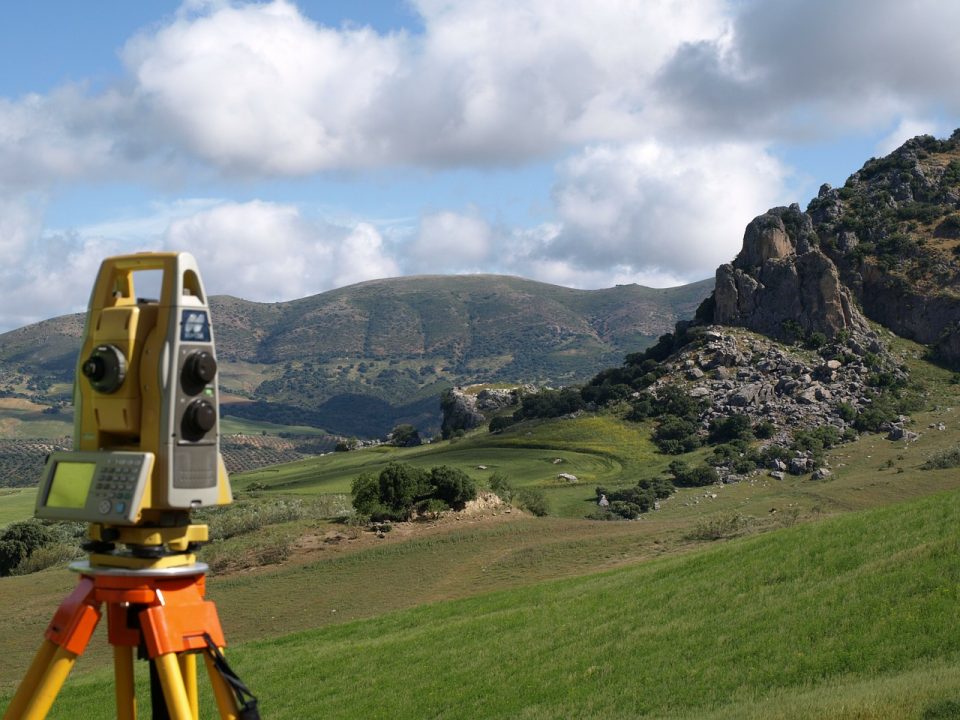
{"type": "Point", "coordinates": [146, 428]}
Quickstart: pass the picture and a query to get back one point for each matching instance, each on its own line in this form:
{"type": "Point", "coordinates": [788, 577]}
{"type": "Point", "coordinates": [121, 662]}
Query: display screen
{"type": "Point", "coordinates": [71, 484]}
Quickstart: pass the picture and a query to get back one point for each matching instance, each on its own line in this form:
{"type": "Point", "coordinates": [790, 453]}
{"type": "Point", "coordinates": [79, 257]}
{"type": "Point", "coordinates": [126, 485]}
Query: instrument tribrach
{"type": "Point", "coordinates": [146, 452]}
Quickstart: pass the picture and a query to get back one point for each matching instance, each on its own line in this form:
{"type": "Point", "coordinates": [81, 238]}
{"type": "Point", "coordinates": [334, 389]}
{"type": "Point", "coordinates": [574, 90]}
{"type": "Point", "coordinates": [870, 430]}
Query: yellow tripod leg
{"type": "Point", "coordinates": [30, 681]}
{"type": "Point", "coordinates": [53, 679]}
{"type": "Point", "coordinates": [188, 669]}
{"type": "Point", "coordinates": [226, 702]}
{"type": "Point", "coordinates": [123, 679]}
{"type": "Point", "coordinates": [174, 691]}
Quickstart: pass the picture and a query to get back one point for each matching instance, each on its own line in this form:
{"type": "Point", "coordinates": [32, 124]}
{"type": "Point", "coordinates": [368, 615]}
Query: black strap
{"type": "Point", "coordinates": [246, 700]}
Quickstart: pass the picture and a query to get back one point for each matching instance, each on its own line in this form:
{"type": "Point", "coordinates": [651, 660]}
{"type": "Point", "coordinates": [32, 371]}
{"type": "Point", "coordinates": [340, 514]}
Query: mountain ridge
{"type": "Point", "coordinates": [395, 342]}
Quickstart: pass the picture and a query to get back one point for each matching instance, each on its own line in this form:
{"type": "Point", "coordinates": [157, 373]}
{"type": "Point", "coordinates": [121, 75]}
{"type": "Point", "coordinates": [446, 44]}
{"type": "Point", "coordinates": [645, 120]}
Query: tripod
{"type": "Point", "coordinates": [159, 611]}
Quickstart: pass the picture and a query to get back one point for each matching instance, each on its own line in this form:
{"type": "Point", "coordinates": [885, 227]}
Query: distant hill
{"type": "Point", "coordinates": [359, 359]}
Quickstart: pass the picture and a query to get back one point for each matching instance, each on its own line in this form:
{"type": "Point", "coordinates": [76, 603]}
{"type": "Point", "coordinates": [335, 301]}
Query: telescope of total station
{"type": "Point", "coordinates": [146, 452]}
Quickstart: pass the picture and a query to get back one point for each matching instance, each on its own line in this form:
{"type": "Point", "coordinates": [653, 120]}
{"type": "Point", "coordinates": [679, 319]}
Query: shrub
{"type": "Point", "coordinates": [533, 501]}
{"type": "Point", "coordinates": [501, 422]}
{"type": "Point", "coordinates": [454, 487]}
{"type": "Point", "coordinates": [401, 489]}
{"type": "Point", "coordinates": [764, 430]}
{"type": "Point", "coordinates": [20, 540]}
{"type": "Point", "coordinates": [549, 403]}
{"type": "Point", "coordinates": [698, 476]}
{"type": "Point", "coordinates": [432, 508]}
{"type": "Point", "coordinates": [731, 427]}
{"type": "Point", "coordinates": [405, 435]}
{"type": "Point", "coordinates": [676, 435]}
{"type": "Point", "coordinates": [721, 527]}
{"type": "Point", "coordinates": [500, 485]}
{"type": "Point", "coordinates": [847, 411]}
{"type": "Point", "coordinates": [46, 556]}
{"type": "Point", "coordinates": [942, 460]}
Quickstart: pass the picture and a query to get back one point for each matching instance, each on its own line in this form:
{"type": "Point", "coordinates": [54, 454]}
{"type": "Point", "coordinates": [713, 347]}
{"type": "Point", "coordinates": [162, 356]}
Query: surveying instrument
{"type": "Point", "coordinates": [146, 452]}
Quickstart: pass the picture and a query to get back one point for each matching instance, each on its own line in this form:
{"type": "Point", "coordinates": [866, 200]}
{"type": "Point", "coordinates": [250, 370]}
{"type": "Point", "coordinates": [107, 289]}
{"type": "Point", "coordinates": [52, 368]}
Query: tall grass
{"type": "Point", "coordinates": [858, 607]}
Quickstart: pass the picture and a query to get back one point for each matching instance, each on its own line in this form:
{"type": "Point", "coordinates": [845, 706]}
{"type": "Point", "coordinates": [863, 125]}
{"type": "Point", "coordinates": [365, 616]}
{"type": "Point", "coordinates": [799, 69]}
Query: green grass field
{"type": "Point", "coordinates": [840, 601]}
{"type": "Point", "coordinates": [852, 617]}
{"type": "Point", "coordinates": [16, 504]}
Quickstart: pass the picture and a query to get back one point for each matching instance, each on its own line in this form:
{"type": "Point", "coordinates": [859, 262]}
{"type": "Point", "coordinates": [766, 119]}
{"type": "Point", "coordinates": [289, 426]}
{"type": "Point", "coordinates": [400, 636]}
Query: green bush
{"type": "Point", "coordinates": [764, 430]}
{"type": "Point", "coordinates": [20, 540]}
{"type": "Point", "coordinates": [501, 422]}
{"type": "Point", "coordinates": [58, 553]}
{"type": "Point", "coordinates": [501, 487]}
{"type": "Point", "coordinates": [400, 490]}
{"type": "Point", "coordinates": [676, 435]}
{"type": "Point", "coordinates": [731, 427]}
{"type": "Point", "coordinates": [697, 476]}
{"type": "Point", "coordinates": [452, 486]}
{"type": "Point", "coordinates": [533, 501]}
{"type": "Point", "coordinates": [942, 460]}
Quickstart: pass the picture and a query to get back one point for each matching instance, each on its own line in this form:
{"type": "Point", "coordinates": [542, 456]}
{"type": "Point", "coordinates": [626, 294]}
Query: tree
{"type": "Point", "coordinates": [405, 435]}
{"type": "Point", "coordinates": [401, 485]}
{"type": "Point", "coordinates": [453, 486]}
{"type": "Point", "coordinates": [19, 540]}
{"type": "Point", "coordinates": [365, 490]}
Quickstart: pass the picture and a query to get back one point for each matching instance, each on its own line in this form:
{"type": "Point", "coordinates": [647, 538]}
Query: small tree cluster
{"type": "Point", "coordinates": [631, 502]}
{"type": "Point", "coordinates": [549, 403]}
{"type": "Point", "coordinates": [400, 490]}
{"type": "Point", "coordinates": [30, 545]}
{"type": "Point", "coordinates": [696, 476]}
{"type": "Point", "coordinates": [677, 413]}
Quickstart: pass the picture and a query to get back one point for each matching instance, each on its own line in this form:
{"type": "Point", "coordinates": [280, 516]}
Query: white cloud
{"type": "Point", "coordinates": [268, 251]}
{"type": "Point", "coordinates": [259, 88]}
{"type": "Point", "coordinates": [653, 209]}
{"type": "Point", "coordinates": [816, 68]}
{"type": "Point", "coordinates": [908, 128]}
{"type": "Point", "coordinates": [451, 242]}
{"type": "Point", "coordinates": [43, 275]}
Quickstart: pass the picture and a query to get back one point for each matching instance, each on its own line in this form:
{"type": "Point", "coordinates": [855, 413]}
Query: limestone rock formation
{"type": "Point", "coordinates": [781, 281]}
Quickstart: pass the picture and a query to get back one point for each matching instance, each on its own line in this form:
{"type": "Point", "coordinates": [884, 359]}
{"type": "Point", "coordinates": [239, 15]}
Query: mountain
{"type": "Point", "coordinates": [359, 359]}
{"type": "Point", "coordinates": [884, 247]}
{"type": "Point", "coordinates": [887, 243]}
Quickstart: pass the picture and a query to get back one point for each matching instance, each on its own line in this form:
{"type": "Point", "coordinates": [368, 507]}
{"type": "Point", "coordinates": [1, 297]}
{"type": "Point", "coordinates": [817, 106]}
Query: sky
{"type": "Point", "coordinates": [298, 146]}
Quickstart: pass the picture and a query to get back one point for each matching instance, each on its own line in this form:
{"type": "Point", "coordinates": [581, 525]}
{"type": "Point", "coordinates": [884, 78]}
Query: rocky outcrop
{"type": "Point", "coordinates": [892, 232]}
{"type": "Point", "coordinates": [734, 372]}
{"type": "Point", "coordinates": [465, 411]}
{"type": "Point", "coordinates": [780, 282]}
{"type": "Point", "coordinates": [459, 412]}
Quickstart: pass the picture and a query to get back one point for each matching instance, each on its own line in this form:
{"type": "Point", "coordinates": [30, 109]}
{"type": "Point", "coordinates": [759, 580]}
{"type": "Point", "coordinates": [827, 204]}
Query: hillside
{"type": "Point", "coordinates": [887, 243]}
{"type": "Point", "coordinates": [359, 359]}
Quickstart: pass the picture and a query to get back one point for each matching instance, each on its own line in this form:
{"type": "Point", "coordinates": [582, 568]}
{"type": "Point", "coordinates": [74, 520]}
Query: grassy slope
{"type": "Point", "coordinates": [861, 606]}
{"type": "Point", "coordinates": [325, 589]}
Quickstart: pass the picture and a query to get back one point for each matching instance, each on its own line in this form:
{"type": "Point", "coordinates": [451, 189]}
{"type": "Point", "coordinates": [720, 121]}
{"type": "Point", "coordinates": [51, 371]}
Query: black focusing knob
{"type": "Point", "coordinates": [198, 419]}
{"type": "Point", "coordinates": [106, 368]}
{"type": "Point", "coordinates": [199, 368]}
